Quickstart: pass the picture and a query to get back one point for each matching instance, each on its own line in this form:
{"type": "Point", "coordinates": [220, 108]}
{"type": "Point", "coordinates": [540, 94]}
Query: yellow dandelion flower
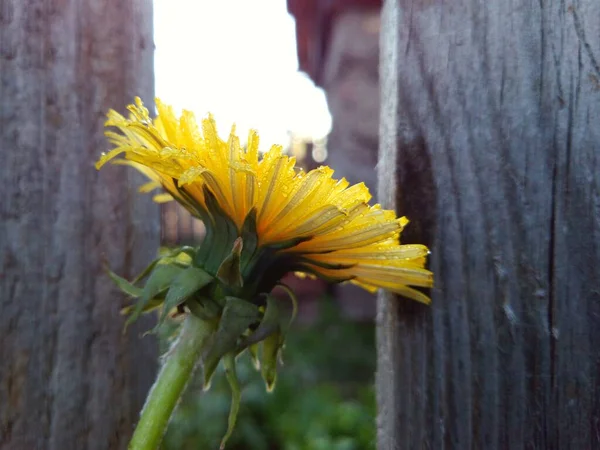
{"type": "Point", "coordinates": [306, 222]}
{"type": "Point", "coordinates": [264, 218]}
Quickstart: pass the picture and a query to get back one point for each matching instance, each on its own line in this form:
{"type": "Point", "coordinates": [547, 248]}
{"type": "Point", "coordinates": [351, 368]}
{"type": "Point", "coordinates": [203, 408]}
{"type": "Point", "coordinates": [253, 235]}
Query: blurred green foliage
{"type": "Point", "coordinates": [324, 397]}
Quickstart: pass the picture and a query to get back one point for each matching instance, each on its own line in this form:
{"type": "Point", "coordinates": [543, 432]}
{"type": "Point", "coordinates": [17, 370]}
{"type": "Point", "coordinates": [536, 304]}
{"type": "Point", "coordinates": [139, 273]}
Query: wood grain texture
{"type": "Point", "coordinates": [498, 140]}
{"type": "Point", "coordinates": [387, 311]}
{"type": "Point", "coordinates": [69, 378]}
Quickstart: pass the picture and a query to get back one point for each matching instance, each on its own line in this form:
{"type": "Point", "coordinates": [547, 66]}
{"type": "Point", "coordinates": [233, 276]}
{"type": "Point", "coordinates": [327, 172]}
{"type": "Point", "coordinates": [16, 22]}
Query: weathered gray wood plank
{"type": "Point", "coordinates": [69, 378]}
{"type": "Point", "coordinates": [498, 141]}
{"type": "Point", "coordinates": [387, 310]}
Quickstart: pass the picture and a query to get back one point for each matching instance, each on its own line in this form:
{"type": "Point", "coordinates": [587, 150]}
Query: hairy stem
{"type": "Point", "coordinates": [176, 371]}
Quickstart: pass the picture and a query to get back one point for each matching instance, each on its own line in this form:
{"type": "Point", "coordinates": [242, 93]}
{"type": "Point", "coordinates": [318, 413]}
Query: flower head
{"type": "Point", "coordinates": [289, 220]}
{"type": "Point", "coordinates": [264, 218]}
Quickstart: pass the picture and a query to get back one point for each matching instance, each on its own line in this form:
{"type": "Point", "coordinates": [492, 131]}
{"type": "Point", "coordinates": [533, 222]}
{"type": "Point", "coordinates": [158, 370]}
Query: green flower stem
{"type": "Point", "coordinates": [176, 371]}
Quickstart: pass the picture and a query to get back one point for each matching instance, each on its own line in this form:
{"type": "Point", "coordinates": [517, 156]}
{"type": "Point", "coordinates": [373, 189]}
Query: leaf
{"type": "Point", "coordinates": [159, 280]}
{"type": "Point", "coordinates": [236, 396]}
{"type": "Point", "coordinates": [184, 285]}
{"type": "Point", "coordinates": [125, 286]}
{"type": "Point", "coordinates": [237, 316]}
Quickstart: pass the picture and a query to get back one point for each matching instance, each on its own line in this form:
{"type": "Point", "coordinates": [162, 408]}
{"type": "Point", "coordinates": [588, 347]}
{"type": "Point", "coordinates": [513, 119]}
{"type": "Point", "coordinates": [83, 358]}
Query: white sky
{"type": "Point", "coordinates": [236, 59]}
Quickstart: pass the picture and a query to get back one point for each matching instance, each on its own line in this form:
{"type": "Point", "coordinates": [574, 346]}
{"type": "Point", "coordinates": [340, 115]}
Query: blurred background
{"type": "Point", "coordinates": [508, 354]}
{"type": "Point", "coordinates": [304, 74]}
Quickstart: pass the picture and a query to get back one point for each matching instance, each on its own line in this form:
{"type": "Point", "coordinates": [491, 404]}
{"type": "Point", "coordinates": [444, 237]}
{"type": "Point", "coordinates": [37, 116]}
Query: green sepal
{"type": "Point", "coordinates": [273, 343]}
{"type": "Point", "coordinates": [203, 253]}
{"type": "Point", "coordinates": [203, 307]}
{"type": "Point", "coordinates": [289, 243]}
{"type": "Point", "coordinates": [250, 238]}
{"type": "Point", "coordinates": [269, 357]}
{"type": "Point", "coordinates": [236, 395]}
{"type": "Point", "coordinates": [187, 283]}
{"type": "Point", "coordinates": [268, 268]}
{"type": "Point", "coordinates": [186, 200]}
{"type": "Point", "coordinates": [269, 324]}
{"type": "Point", "coordinates": [144, 273]}
{"type": "Point", "coordinates": [153, 304]}
{"type": "Point", "coordinates": [173, 256]}
{"type": "Point", "coordinates": [253, 350]}
{"type": "Point", "coordinates": [237, 316]}
{"type": "Point", "coordinates": [124, 285]}
{"type": "Point", "coordinates": [229, 272]}
{"type": "Point", "coordinates": [164, 257]}
{"type": "Point", "coordinates": [214, 251]}
{"type": "Point", "coordinates": [213, 223]}
{"type": "Point", "coordinates": [158, 281]}
{"type": "Point", "coordinates": [166, 252]}
{"type": "Point", "coordinates": [292, 295]}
